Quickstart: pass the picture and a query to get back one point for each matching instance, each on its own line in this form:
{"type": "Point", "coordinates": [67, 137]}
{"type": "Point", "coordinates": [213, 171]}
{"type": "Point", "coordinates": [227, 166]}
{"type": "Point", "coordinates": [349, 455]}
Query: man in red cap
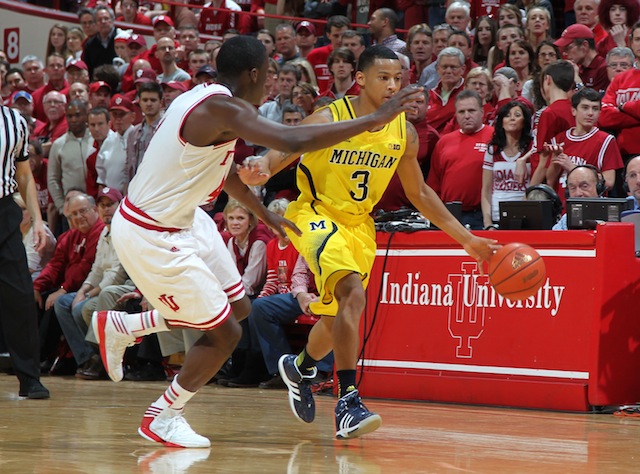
{"type": "Point", "coordinates": [305, 37]}
{"type": "Point", "coordinates": [112, 157]}
{"type": "Point", "coordinates": [578, 44]}
{"type": "Point", "coordinates": [171, 90]}
{"type": "Point", "coordinates": [162, 28]}
{"type": "Point", "coordinates": [77, 71]}
{"type": "Point", "coordinates": [99, 94]}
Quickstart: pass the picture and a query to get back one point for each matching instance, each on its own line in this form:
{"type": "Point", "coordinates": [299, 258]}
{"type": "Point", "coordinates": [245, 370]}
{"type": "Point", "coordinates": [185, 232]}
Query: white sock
{"type": "Point", "coordinates": [175, 397]}
{"type": "Point", "coordinates": [147, 322]}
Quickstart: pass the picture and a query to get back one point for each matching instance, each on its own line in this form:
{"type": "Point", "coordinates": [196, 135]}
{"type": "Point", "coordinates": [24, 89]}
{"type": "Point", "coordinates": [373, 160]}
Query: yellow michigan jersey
{"type": "Point", "coordinates": [349, 178]}
{"type": "Point", "coordinates": [339, 187]}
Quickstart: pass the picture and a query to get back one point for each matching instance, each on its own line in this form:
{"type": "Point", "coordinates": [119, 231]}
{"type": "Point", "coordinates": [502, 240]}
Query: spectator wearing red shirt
{"type": "Point", "coordinates": [394, 196]}
{"type": "Point", "coordinates": [99, 122]}
{"type": "Point", "coordinates": [578, 44]}
{"type": "Point", "coordinates": [55, 71]}
{"type": "Point", "coordinates": [305, 38]}
{"type": "Point", "coordinates": [587, 14]}
{"type": "Point", "coordinates": [556, 81]}
{"type": "Point", "coordinates": [342, 65]}
{"type": "Point", "coordinates": [420, 49]}
{"type": "Point", "coordinates": [162, 27]}
{"type": "Point", "coordinates": [617, 17]}
{"type": "Point", "coordinates": [33, 71]}
{"type": "Point", "coordinates": [621, 111]}
{"type": "Point", "coordinates": [218, 16]}
{"type": "Point", "coordinates": [584, 144]}
{"type": "Point", "coordinates": [56, 123]}
{"type": "Point", "coordinates": [456, 164]}
{"type": "Point", "coordinates": [336, 25]}
{"type": "Point", "coordinates": [130, 13]}
{"type": "Point", "coordinates": [450, 68]}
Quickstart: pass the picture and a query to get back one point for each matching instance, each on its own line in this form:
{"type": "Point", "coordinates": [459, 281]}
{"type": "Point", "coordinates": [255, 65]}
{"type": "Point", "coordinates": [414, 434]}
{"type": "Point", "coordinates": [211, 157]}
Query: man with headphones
{"type": "Point", "coordinates": [583, 181]}
{"type": "Point", "coordinates": [583, 144]}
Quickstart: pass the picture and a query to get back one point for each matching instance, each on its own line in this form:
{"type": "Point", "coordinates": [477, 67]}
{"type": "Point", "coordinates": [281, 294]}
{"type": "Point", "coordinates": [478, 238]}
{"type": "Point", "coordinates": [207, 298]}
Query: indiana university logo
{"type": "Point", "coordinates": [170, 302]}
{"type": "Point", "coordinates": [466, 317]}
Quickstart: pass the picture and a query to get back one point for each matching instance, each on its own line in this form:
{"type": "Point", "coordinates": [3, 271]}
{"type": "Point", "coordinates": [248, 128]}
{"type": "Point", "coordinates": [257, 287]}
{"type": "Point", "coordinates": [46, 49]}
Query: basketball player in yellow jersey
{"type": "Point", "coordinates": [339, 186]}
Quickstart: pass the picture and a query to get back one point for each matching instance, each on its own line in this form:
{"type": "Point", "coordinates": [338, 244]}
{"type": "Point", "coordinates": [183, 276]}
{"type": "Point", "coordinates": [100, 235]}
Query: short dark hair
{"type": "Point", "coordinates": [338, 21]}
{"type": "Point", "coordinates": [150, 87]}
{"type": "Point", "coordinates": [239, 54]}
{"type": "Point", "coordinates": [289, 108]}
{"type": "Point", "coordinates": [353, 34]}
{"type": "Point", "coordinates": [561, 73]}
{"type": "Point", "coordinates": [391, 15]}
{"type": "Point", "coordinates": [469, 94]}
{"type": "Point", "coordinates": [370, 54]}
{"type": "Point", "coordinates": [100, 111]}
{"type": "Point", "coordinates": [14, 70]}
{"type": "Point", "coordinates": [464, 34]}
{"type": "Point", "coordinates": [289, 68]}
{"type": "Point", "coordinates": [344, 54]}
{"type": "Point", "coordinates": [586, 93]}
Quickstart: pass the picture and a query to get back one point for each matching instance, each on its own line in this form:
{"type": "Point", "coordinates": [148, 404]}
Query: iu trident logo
{"type": "Point", "coordinates": [466, 320]}
{"type": "Point", "coordinates": [170, 302]}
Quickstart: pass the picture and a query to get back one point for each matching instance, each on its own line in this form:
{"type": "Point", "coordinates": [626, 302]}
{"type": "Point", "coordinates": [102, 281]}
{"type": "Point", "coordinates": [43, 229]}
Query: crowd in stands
{"type": "Point", "coordinates": [516, 95]}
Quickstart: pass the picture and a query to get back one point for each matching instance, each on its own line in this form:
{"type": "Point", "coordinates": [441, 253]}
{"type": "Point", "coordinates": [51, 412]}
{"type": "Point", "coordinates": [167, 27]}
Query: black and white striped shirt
{"type": "Point", "coordinates": [14, 141]}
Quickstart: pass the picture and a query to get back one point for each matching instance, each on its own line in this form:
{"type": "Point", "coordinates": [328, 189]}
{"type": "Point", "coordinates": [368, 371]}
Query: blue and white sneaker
{"type": "Point", "coordinates": [352, 417]}
{"type": "Point", "coordinates": [300, 396]}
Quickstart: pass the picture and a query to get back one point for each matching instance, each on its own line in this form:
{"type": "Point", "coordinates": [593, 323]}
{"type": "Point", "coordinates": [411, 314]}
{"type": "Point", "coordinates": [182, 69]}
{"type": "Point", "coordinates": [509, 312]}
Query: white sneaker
{"type": "Point", "coordinates": [109, 329]}
{"type": "Point", "coordinates": [171, 429]}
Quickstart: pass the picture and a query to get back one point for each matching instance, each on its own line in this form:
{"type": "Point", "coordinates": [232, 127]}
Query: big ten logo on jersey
{"type": "Point", "coordinates": [394, 146]}
{"type": "Point", "coordinates": [319, 225]}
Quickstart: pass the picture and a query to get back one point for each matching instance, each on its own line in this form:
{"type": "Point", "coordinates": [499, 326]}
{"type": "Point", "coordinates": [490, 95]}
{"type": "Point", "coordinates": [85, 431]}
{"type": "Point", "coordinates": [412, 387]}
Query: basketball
{"type": "Point", "coordinates": [516, 271]}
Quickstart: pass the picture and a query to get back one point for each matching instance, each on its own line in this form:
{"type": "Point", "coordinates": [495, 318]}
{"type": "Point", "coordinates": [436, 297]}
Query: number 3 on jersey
{"type": "Point", "coordinates": [361, 178]}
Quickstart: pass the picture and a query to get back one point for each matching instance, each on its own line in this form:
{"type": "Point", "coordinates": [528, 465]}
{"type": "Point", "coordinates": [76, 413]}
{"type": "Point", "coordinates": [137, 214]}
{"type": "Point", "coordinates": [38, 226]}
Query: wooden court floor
{"type": "Point", "coordinates": [90, 427]}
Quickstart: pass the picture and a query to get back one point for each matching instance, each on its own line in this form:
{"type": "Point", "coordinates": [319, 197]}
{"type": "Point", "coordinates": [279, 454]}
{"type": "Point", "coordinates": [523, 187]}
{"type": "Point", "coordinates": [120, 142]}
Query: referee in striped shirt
{"type": "Point", "coordinates": [18, 317]}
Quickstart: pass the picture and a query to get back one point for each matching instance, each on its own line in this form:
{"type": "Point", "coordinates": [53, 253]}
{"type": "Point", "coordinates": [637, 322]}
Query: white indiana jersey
{"type": "Point", "coordinates": [176, 177]}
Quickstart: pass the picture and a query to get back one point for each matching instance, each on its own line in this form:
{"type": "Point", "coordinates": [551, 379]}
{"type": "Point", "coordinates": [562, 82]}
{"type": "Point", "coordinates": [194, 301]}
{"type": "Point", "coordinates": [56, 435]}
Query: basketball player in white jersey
{"type": "Point", "coordinates": [172, 249]}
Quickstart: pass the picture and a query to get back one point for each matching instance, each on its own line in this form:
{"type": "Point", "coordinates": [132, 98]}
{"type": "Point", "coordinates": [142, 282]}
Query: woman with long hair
{"type": "Point", "coordinates": [75, 42]}
{"type": "Point", "coordinates": [509, 14]}
{"type": "Point", "coordinates": [520, 57]}
{"type": "Point", "coordinates": [537, 26]}
{"type": "Point", "coordinates": [617, 17]}
{"type": "Point", "coordinates": [546, 53]}
{"type": "Point", "coordinates": [511, 142]}
{"type": "Point", "coordinates": [57, 42]}
{"type": "Point", "coordinates": [483, 40]}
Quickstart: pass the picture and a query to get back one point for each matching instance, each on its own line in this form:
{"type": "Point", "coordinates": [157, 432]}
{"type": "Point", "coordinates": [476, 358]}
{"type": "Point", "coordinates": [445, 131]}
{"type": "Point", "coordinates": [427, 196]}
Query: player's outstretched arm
{"type": "Point", "coordinates": [246, 123]}
{"type": "Point", "coordinates": [256, 171]}
{"type": "Point", "coordinates": [237, 190]}
{"type": "Point", "coordinates": [430, 206]}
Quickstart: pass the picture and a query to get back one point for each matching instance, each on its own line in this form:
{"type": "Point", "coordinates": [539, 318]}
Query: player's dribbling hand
{"type": "Point", "coordinates": [481, 250]}
{"type": "Point", "coordinates": [254, 171]}
{"type": "Point", "coordinates": [277, 223]}
{"type": "Point", "coordinates": [401, 101]}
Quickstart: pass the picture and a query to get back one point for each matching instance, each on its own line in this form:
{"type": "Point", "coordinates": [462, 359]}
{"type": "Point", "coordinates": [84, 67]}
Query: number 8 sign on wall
{"type": "Point", "coordinates": [12, 44]}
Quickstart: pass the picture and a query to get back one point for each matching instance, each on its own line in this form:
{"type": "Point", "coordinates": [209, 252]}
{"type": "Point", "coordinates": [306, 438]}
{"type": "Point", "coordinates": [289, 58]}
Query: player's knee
{"type": "Point", "coordinates": [241, 308]}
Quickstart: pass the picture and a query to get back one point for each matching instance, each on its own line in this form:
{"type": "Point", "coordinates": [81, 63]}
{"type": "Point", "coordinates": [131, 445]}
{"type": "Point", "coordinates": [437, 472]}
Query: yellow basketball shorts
{"type": "Point", "coordinates": [332, 250]}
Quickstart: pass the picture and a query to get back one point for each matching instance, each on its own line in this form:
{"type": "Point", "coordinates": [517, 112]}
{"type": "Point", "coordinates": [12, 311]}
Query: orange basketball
{"type": "Point", "coordinates": [517, 271]}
